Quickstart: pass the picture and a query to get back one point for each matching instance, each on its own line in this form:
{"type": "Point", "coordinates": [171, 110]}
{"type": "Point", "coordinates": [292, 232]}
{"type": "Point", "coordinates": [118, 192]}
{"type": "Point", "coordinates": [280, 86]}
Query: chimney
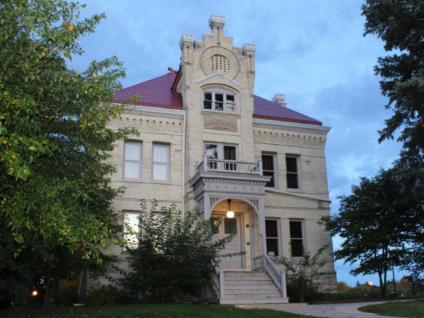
{"type": "Point", "coordinates": [279, 99]}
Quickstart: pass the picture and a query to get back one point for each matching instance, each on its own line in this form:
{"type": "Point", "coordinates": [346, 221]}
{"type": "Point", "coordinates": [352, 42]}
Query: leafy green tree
{"type": "Point", "coordinates": [173, 255]}
{"type": "Point", "coordinates": [400, 24]}
{"type": "Point", "coordinates": [303, 272]}
{"type": "Point", "coordinates": [55, 188]}
{"type": "Point", "coordinates": [374, 223]}
{"type": "Point", "coordinates": [342, 287]}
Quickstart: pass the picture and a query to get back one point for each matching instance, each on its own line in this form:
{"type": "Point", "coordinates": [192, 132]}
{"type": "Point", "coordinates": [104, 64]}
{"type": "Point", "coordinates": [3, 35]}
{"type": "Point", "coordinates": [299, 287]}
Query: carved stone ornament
{"type": "Point", "coordinates": [228, 124]}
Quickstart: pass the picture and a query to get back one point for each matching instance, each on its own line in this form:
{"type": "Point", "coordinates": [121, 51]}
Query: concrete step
{"type": "Point", "coordinates": [250, 278]}
{"type": "Point", "coordinates": [267, 282]}
{"type": "Point", "coordinates": [251, 292]}
{"type": "Point", "coordinates": [270, 301]}
{"type": "Point", "coordinates": [250, 287]}
{"type": "Point", "coordinates": [250, 297]}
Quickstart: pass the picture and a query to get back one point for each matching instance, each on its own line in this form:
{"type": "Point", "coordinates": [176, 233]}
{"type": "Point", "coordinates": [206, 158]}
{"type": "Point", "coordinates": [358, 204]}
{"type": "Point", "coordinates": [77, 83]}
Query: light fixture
{"type": "Point", "coordinates": [34, 293]}
{"type": "Point", "coordinates": [230, 213]}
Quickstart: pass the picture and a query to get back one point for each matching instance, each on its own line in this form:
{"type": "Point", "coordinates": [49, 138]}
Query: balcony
{"type": "Point", "coordinates": [234, 166]}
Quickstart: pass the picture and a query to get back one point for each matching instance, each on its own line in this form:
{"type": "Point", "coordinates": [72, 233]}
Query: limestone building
{"type": "Point", "coordinates": [206, 140]}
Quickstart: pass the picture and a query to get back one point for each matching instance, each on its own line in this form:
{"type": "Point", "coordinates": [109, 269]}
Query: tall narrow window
{"type": "Point", "coordinates": [131, 228]}
{"type": "Point", "coordinates": [268, 169]}
{"type": "Point", "coordinates": [292, 173]}
{"type": "Point", "coordinates": [296, 238]}
{"type": "Point", "coordinates": [161, 162]}
{"type": "Point", "coordinates": [132, 161]}
{"type": "Point", "coordinates": [272, 239]}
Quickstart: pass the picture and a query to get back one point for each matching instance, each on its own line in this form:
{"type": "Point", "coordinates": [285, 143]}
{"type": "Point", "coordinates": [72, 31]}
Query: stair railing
{"type": "Point", "coordinates": [278, 276]}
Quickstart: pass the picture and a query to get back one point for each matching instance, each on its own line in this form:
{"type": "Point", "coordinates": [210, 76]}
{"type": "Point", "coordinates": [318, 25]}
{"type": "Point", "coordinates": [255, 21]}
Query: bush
{"type": "Point", "coordinates": [310, 292]}
{"type": "Point", "coordinates": [67, 292]}
{"type": "Point", "coordinates": [108, 295]}
{"type": "Point", "coordinates": [173, 256]}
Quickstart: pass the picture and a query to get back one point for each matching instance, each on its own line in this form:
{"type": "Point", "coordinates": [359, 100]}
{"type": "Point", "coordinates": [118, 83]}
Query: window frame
{"type": "Point", "coordinates": [140, 162]}
{"type": "Point", "coordinates": [168, 163]}
{"type": "Point", "coordinates": [299, 186]}
{"type": "Point", "coordinates": [277, 238]}
{"type": "Point", "coordinates": [302, 239]}
{"type": "Point", "coordinates": [274, 162]}
{"type": "Point", "coordinates": [220, 147]}
{"type": "Point", "coordinates": [225, 92]}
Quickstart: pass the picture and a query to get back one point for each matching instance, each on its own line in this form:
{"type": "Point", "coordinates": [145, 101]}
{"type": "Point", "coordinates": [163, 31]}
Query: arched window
{"type": "Point", "coordinates": [219, 100]}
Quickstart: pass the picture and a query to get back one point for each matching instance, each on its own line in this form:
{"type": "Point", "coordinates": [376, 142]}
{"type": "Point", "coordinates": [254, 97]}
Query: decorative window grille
{"type": "Point", "coordinates": [219, 62]}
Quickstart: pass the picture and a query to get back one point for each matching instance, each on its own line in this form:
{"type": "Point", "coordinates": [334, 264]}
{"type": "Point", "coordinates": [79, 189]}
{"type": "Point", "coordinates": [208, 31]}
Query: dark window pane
{"type": "Point", "coordinates": [296, 229]}
{"type": "Point", "coordinates": [268, 162]}
{"type": "Point", "coordinates": [219, 97]}
{"type": "Point", "coordinates": [229, 153]}
{"type": "Point", "coordinates": [272, 247]}
{"type": "Point", "coordinates": [208, 96]}
{"type": "Point", "coordinates": [230, 226]}
{"type": "Point", "coordinates": [271, 228]}
{"type": "Point", "coordinates": [269, 184]}
{"type": "Point", "coordinates": [292, 181]}
{"type": "Point", "coordinates": [219, 106]}
{"type": "Point", "coordinates": [291, 164]}
{"type": "Point", "coordinates": [230, 98]}
{"type": "Point", "coordinates": [207, 105]}
{"type": "Point", "coordinates": [296, 247]}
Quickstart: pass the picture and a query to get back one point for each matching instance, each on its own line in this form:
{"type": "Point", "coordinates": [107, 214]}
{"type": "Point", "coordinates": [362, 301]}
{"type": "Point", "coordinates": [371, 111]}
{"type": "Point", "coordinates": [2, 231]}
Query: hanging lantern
{"type": "Point", "coordinates": [230, 213]}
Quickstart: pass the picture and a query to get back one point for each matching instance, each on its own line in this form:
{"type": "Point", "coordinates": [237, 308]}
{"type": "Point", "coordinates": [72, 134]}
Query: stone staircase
{"type": "Point", "coordinates": [244, 287]}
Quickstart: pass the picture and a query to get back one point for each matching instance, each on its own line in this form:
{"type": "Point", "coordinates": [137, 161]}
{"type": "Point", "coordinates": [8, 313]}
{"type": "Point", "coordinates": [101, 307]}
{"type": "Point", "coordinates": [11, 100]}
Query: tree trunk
{"type": "Point", "coordinates": [82, 291]}
{"type": "Point", "coordinates": [380, 273]}
{"type": "Point", "coordinates": [46, 295]}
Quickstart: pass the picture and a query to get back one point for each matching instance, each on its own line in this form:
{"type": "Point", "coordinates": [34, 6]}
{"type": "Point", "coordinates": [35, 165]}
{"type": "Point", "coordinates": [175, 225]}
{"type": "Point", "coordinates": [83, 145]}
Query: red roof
{"type": "Point", "coordinates": [157, 93]}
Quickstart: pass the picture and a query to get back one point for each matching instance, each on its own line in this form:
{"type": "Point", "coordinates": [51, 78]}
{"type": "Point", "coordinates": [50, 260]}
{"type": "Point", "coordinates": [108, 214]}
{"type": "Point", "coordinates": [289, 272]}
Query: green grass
{"type": "Point", "coordinates": [414, 309]}
{"type": "Point", "coordinates": [147, 311]}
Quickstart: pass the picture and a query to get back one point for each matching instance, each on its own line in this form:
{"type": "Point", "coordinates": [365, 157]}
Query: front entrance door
{"type": "Point", "coordinates": [228, 227]}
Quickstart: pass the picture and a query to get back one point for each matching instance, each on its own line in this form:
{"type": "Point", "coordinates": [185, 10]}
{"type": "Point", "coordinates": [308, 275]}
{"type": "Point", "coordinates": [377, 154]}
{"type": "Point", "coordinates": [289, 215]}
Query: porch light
{"type": "Point", "coordinates": [230, 213]}
{"type": "Point", "coordinates": [34, 293]}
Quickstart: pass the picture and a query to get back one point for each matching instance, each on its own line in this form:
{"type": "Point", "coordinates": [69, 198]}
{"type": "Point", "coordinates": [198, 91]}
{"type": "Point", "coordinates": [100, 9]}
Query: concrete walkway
{"type": "Point", "coordinates": [331, 310]}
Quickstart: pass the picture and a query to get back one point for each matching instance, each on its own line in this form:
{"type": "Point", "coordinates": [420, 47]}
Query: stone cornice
{"type": "Point", "coordinates": [220, 73]}
{"type": "Point", "coordinates": [275, 124]}
{"type": "Point", "coordinates": [155, 111]}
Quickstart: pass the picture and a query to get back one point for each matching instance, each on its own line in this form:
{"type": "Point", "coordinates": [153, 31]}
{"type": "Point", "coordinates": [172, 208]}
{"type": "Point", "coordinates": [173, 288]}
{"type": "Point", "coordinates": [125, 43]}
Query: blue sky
{"type": "Point", "coordinates": [312, 51]}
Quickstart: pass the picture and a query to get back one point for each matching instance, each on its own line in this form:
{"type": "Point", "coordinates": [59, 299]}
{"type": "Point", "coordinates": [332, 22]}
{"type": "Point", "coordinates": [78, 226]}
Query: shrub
{"type": "Point", "coordinates": [67, 292]}
{"type": "Point", "coordinates": [107, 295]}
{"type": "Point", "coordinates": [173, 256]}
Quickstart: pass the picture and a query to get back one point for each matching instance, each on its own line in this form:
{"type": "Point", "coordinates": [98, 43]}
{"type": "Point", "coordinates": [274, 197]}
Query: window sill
{"type": "Point", "coordinates": [160, 182]}
{"type": "Point", "coordinates": [147, 182]}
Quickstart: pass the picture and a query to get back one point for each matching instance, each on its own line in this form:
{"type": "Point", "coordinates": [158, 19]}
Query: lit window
{"type": "Point", "coordinates": [131, 228]}
{"type": "Point", "coordinates": [272, 238]}
{"type": "Point", "coordinates": [268, 169]}
{"type": "Point", "coordinates": [219, 101]}
{"type": "Point", "coordinates": [132, 161]}
{"type": "Point", "coordinates": [296, 238]}
{"type": "Point", "coordinates": [292, 173]}
{"type": "Point", "coordinates": [161, 163]}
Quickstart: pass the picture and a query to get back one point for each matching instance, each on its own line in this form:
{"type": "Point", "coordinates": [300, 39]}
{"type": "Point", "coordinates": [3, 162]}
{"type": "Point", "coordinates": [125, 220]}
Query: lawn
{"type": "Point", "coordinates": [147, 311]}
{"type": "Point", "coordinates": [399, 309]}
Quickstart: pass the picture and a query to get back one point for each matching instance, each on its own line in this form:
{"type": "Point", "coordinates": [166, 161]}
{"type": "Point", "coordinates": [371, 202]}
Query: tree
{"type": "Point", "coordinates": [303, 272]}
{"type": "Point", "coordinates": [400, 24]}
{"type": "Point", "coordinates": [173, 256]}
{"type": "Point", "coordinates": [374, 223]}
{"type": "Point", "coordinates": [342, 287]}
{"type": "Point", "coordinates": [55, 188]}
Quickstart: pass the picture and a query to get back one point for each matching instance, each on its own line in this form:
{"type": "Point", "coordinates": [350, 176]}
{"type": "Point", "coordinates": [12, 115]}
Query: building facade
{"type": "Point", "coordinates": [207, 141]}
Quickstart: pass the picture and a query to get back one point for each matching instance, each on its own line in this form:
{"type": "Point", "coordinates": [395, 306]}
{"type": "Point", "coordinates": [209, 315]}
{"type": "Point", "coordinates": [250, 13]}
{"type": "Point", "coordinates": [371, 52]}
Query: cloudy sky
{"type": "Point", "coordinates": [313, 51]}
